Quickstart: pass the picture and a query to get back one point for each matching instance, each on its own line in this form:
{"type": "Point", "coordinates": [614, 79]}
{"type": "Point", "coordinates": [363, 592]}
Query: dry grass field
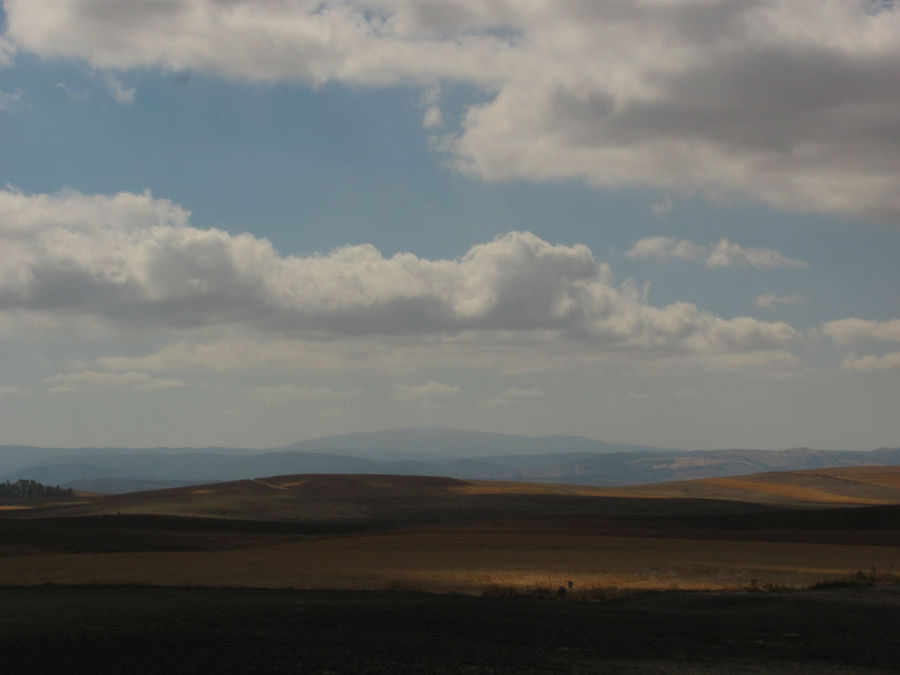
{"type": "Point", "coordinates": [816, 487]}
{"type": "Point", "coordinates": [448, 535]}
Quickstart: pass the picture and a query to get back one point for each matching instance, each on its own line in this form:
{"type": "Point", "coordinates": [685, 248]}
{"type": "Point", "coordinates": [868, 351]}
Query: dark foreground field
{"type": "Point", "coordinates": [169, 630]}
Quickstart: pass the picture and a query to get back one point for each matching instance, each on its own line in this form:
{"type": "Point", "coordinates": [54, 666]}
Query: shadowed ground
{"type": "Point", "coordinates": [139, 630]}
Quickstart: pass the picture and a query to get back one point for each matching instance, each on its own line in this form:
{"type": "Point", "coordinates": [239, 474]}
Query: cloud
{"type": "Point", "coordinates": [433, 116]}
{"type": "Point", "coordinates": [10, 390]}
{"type": "Point", "coordinates": [427, 391]}
{"type": "Point", "coordinates": [511, 396]}
{"type": "Point", "coordinates": [290, 392]}
{"type": "Point", "coordinates": [664, 248]}
{"type": "Point", "coordinates": [10, 99]}
{"type": "Point", "coordinates": [726, 254]}
{"type": "Point", "coordinates": [847, 331]}
{"type": "Point", "coordinates": [90, 381]}
{"type": "Point", "coordinates": [663, 207]}
{"type": "Point", "coordinates": [768, 300]}
{"type": "Point", "coordinates": [7, 52]}
{"type": "Point", "coordinates": [132, 263]}
{"type": "Point", "coordinates": [120, 92]}
{"type": "Point", "coordinates": [872, 363]}
{"type": "Point", "coordinates": [791, 102]}
{"type": "Point", "coordinates": [721, 254]}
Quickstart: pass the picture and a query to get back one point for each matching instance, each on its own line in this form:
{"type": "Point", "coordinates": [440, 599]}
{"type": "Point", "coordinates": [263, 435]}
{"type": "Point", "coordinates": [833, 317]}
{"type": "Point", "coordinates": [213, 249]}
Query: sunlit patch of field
{"type": "Point", "coordinates": [793, 492]}
{"type": "Point", "coordinates": [468, 562]}
{"type": "Point", "coordinates": [849, 486]}
{"type": "Point", "coordinates": [887, 476]}
{"type": "Point", "coordinates": [484, 487]}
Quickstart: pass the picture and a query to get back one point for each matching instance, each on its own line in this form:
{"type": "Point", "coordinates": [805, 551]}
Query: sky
{"type": "Point", "coordinates": [226, 222]}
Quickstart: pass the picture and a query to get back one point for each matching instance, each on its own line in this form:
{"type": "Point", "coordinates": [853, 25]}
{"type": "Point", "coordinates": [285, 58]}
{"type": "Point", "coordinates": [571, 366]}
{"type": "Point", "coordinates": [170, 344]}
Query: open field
{"type": "Point", "coordinates": [447, 535]}
{"type": "Point", "coordinates": [466, 562]}
{"type": "Point", "coordinates": [519, 577]}
{"type": "Point", "coordinates": [842, 486]}
{"type": "Point", "coordinates": [167, 630]}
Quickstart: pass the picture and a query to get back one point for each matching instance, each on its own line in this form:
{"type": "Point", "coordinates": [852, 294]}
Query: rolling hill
{"type": "Point", "coordinates": [443, 534]}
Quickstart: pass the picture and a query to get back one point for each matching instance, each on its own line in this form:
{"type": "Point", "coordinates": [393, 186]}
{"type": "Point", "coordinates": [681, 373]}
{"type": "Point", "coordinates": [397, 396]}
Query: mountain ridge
{"type": "Point", "coordinates": [426, 451]}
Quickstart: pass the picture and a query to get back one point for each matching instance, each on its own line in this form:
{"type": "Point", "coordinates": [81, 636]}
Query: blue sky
{"type": "Point", "coordinates": [315, 157]}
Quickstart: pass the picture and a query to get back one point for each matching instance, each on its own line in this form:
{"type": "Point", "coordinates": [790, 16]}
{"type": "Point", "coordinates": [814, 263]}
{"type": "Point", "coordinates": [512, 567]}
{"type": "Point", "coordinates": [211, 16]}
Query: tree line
{"type": "Point", "coordinates": [31, 489]}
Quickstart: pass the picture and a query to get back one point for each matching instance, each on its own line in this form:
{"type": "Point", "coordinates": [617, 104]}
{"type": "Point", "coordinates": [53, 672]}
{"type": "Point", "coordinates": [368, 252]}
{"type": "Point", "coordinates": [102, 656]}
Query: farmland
{"type": "Point", "coordinates": [548, 566]}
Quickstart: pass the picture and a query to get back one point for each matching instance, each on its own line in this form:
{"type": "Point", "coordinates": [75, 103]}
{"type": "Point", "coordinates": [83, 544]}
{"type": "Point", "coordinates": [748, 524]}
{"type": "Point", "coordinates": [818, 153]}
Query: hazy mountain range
{"type": "Point", "coordinates": [427, 451]}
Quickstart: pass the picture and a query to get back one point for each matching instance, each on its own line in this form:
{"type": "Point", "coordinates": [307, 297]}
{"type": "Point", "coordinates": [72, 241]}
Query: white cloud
{"type": "Point", "coordinates": [432, 117]}
{"type": "Point", "coordinates": [89, 381]}
{"type": "Point", "coordinates": [791, 102]}
{"type": "Point", "coordinates": [290, 392]}
{"type": "Point", "coordinates": [768, 300]}
{"type": "Point", "coordinates": [132, 261]}
{"type": "Point", "coordinates": [847, 331]}
{"type": "Point", "coordinates": [430, 100]}
{"type": "Point", "coordinates": [419, 392]}
{"type": "Point", "coordinates": [120, 92]}
{"type": "Point", "coordinates": [872, 363]}
{"type": "Point", "coordinates": [664, 248]}
{"type": "Point", "coordinates": [726, 254]}
{"type": "Point", "coordinates": [10, 390]}
{"type": "Point", "coordinates": [512, 396]}
{"type": "Point", "coordinates": [721, 254]}
{"type": "Point", "coordinates": [7, 52]}
{"type": "Point", "coordinates": [114, 266]}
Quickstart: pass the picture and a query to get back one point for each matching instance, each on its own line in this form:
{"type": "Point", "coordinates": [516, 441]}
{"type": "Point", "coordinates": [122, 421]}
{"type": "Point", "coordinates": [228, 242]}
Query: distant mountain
{"type": "Point", "coordinates": [425, 452]}
{"type": "Point", "coordinates": [431, 442]}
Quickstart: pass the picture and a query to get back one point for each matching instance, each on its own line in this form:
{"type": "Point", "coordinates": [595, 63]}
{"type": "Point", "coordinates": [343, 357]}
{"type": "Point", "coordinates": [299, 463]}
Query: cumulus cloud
{"type": "Point", "coordinates": [90, 381]}
{"type": "Point", "coordinates": [512, 396]}
{"type": "Point", "coordinates": [847, 331]}
{"type": "Point", "coordinates": [768, 300]}
{"type": "Point", "coordinates": [792, 102]}
{"type": "Point", "coordinates": [872, 363]}
{"type": "Point", "coordinates": [420, 392]}
{"type": "Point", "coordinates": [722, 254]}
{"type": "Point", "coordinates": [133, 262]}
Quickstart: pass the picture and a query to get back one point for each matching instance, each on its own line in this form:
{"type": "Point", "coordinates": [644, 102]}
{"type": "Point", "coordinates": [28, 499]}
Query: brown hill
{"type": "Point", "coordinates": [843, 486]}
{"type": "Point", "coordinates": [395, 500]}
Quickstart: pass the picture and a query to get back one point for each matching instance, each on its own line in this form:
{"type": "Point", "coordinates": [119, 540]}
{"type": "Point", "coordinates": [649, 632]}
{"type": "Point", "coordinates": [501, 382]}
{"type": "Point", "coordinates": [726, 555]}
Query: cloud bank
{"type": "Point", "coordinates": [848, 331]}
{"type": "Point", "coordinates": [130, 263]}
{"type": "Point", "coordinates": [791, 102]}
